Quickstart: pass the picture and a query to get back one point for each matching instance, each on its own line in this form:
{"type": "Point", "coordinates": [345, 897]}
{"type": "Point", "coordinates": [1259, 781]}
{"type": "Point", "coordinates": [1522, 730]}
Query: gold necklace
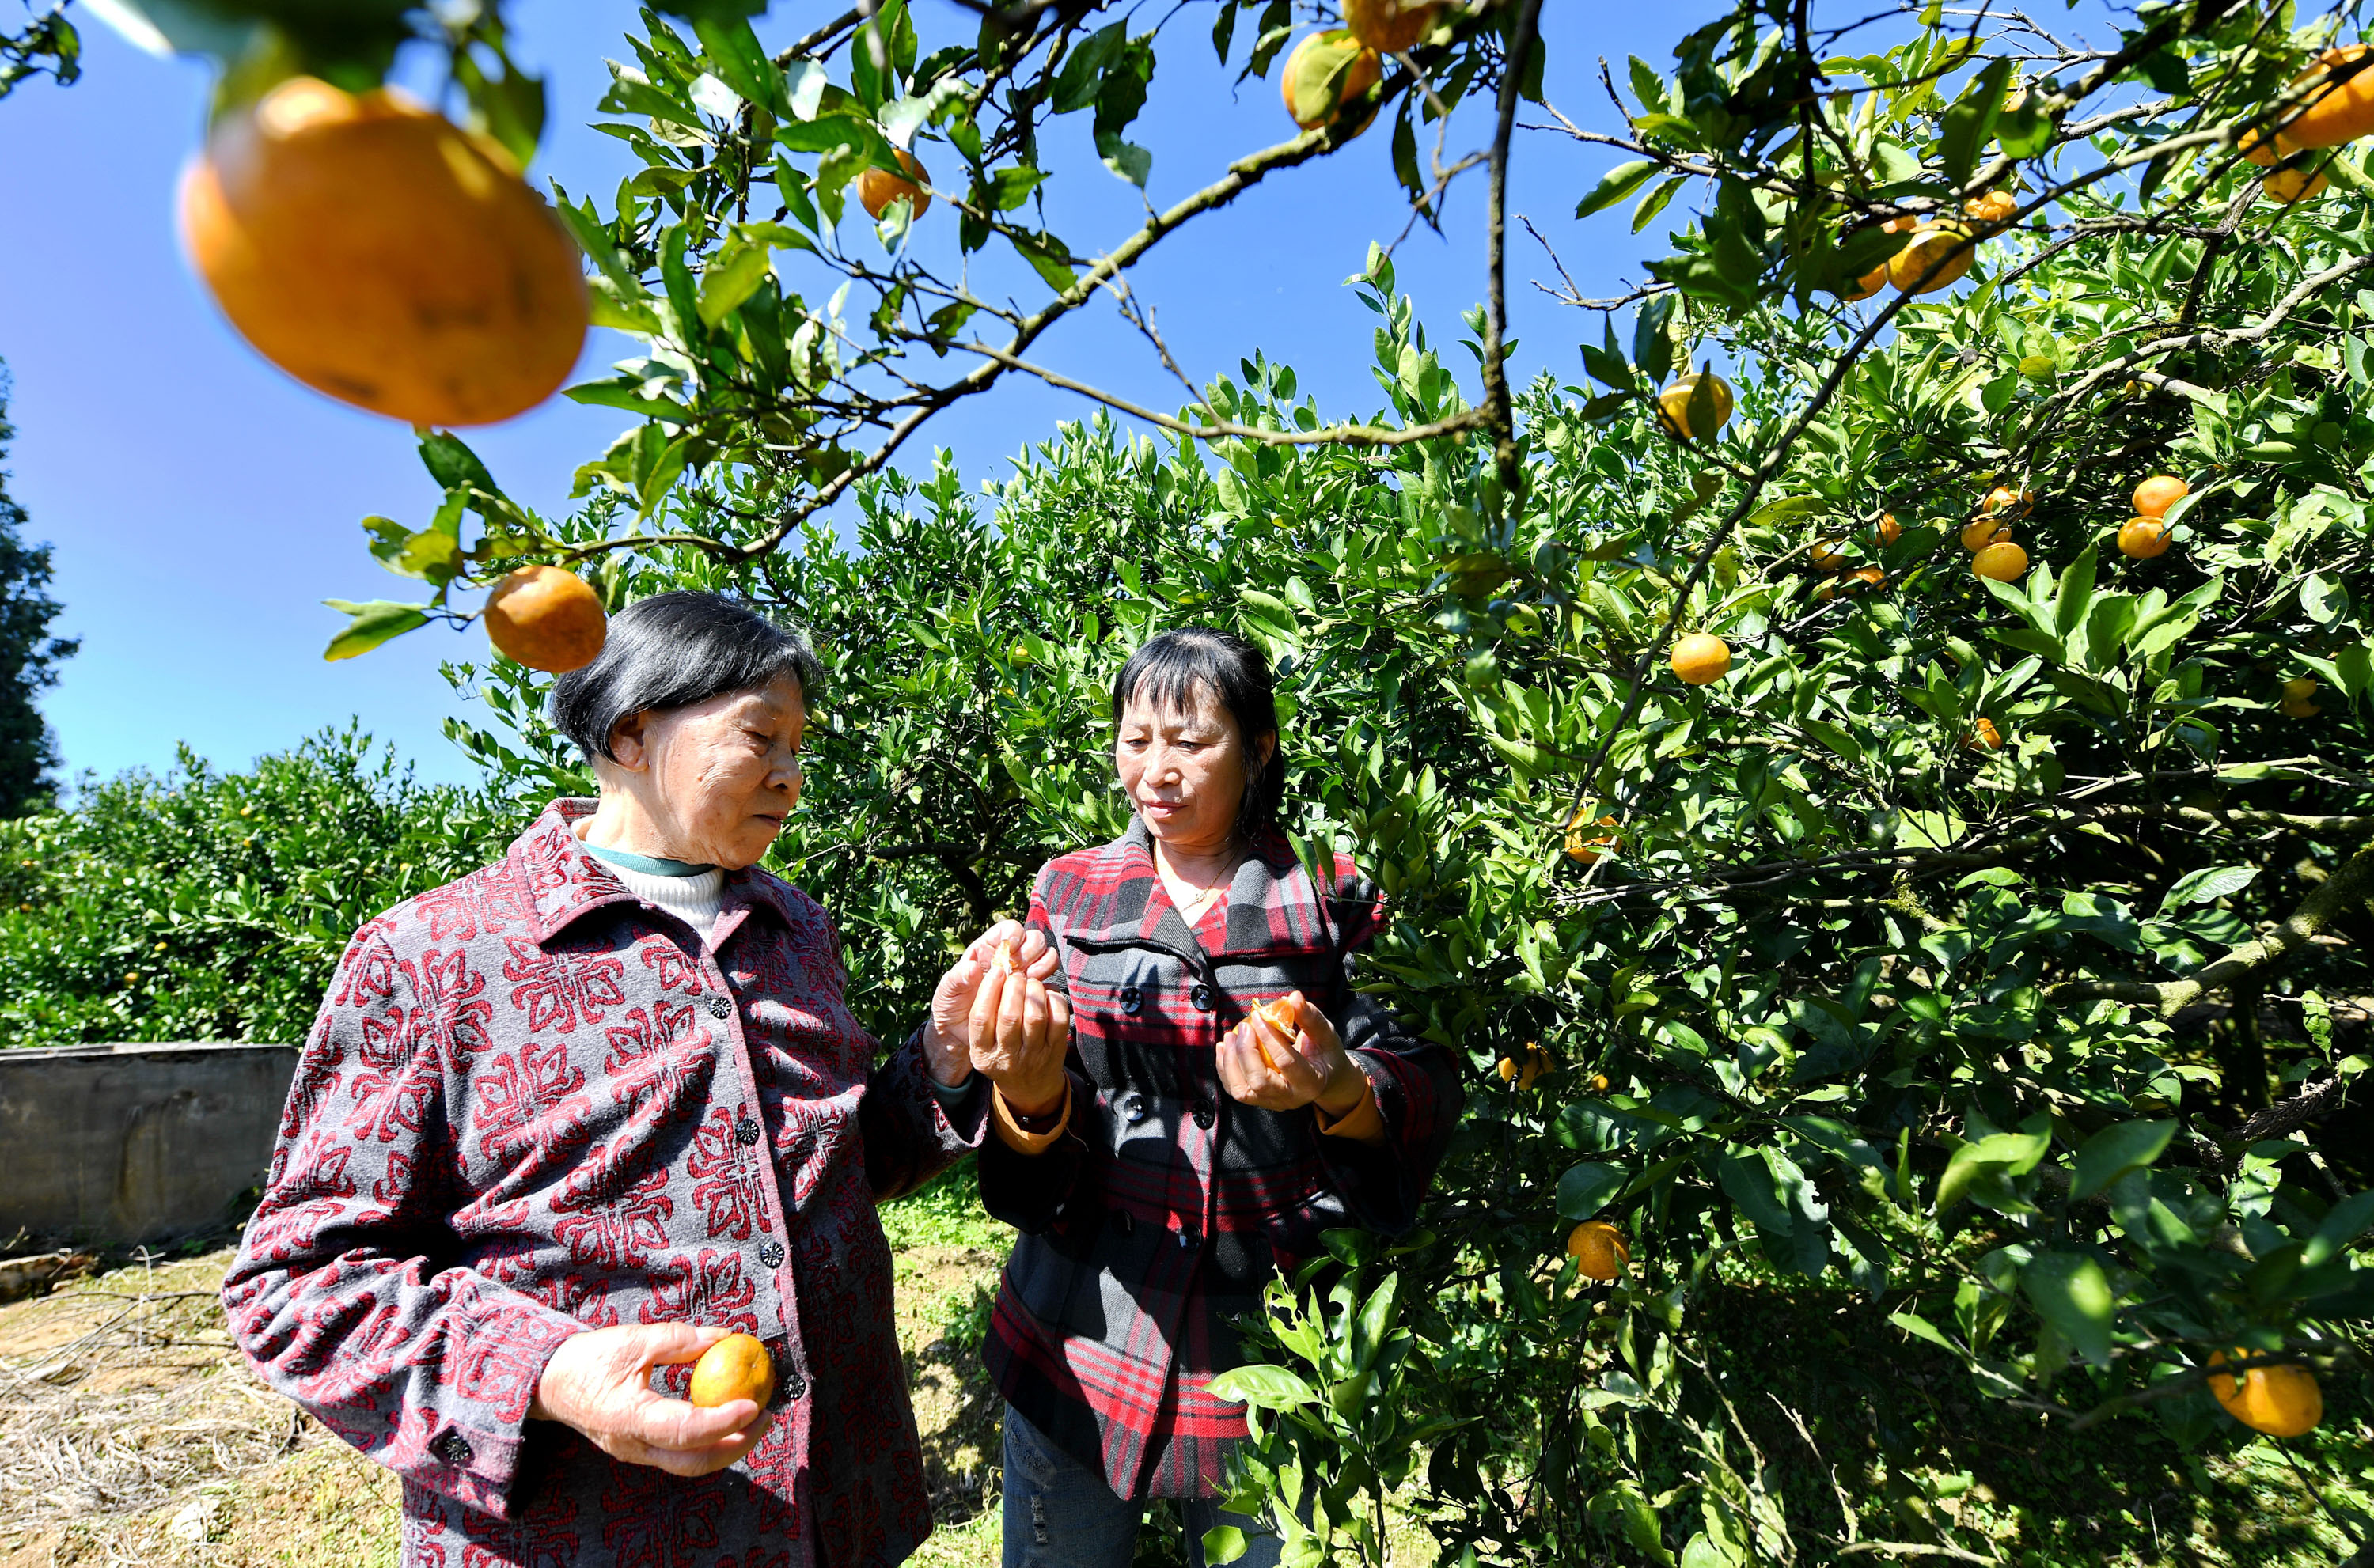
{"type": "Point", "coordinates": [1194, 908]}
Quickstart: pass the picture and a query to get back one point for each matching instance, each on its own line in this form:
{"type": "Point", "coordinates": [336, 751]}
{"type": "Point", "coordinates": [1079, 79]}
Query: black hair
{"type": "Point", "coordinates": [674, 651]}
{"type": "Point", "coordinates": [1166, 673]}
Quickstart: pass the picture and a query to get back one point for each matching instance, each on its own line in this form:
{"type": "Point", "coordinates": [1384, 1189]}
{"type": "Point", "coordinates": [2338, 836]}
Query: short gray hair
{"type": "Point", "coordinates": [674, 651]}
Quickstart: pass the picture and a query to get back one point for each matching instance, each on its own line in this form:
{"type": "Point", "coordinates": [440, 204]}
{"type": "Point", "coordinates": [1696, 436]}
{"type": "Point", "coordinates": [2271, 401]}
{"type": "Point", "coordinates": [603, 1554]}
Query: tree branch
{"type": "Point", "coordinates": [1496, 395]}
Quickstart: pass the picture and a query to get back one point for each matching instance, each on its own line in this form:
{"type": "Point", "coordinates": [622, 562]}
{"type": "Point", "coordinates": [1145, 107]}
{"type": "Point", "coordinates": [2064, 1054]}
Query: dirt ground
{"type": "Point", "coordinates": [131, 1433]}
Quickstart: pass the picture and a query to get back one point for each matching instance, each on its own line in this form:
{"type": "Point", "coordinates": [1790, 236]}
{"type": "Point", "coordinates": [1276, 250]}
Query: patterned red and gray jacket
{"type": "Point", "coordinates": [534, 1103]}
{"type": "Point", "coordinates": [1166, 1206]}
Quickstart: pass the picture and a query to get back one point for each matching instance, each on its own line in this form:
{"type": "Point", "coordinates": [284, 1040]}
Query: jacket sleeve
{"type": "Point", "coordinates": [1415, 1083]}
{"type": "Point", "coordinates": [343, 1297]}
{"type": "Point", "coordinates": [1030, 1191]}
{"type": "Point", "coordinates": [912, 1134]}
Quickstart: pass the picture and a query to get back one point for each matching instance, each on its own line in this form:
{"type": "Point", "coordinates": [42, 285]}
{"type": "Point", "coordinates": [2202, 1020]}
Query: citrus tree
{"type": "Point", "coordinates": [1891, 826]}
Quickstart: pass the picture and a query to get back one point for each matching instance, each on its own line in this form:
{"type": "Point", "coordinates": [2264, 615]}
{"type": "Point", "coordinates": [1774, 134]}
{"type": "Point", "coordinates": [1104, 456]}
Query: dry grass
{"type": "Point", "coordinates": [131, 1433]}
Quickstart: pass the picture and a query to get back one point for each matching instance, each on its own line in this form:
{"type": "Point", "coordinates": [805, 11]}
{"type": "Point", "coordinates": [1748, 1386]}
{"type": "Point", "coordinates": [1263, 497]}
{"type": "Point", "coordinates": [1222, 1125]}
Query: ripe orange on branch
{"type": "Point", "coordinates": [1528, 1067]}
{"type": "Point", "coordinates": [1890, 531]}
{"type": "Point", "coordinates": [382, 254]}
{"type": "Point", "coordinates": [2299, 700]}
{"type": "Point", "coordinates": [2282, 1401]}
{"type": "Point", "coordinates": [2339, 91]}
{"type": "Point", "coordinates": [2157, 494]}
{"type": "Point", "coordinates": [1584, 846]}
{"type": "Point", "coordinates": [877, 188]}
{"type": "Point", "coordinates": [736, 1367]}
{"type": "Point", "coordinates": [547, 619]}
{"type": "Point", "coordinates": [2144, 537]}
{"type": "Point", "coordinates": [1938, 257]}
{"type": "Point", "coordinates": [1986, 531]}
{"type": "Point", "coordinates": [1391, 26]}
{"type": "Point", "coordinates": [2004, 501]}
{"type": "Point", "coordinates": [1984, 736]}
{"type": "Point", "coordinates": [1674, 402]}
{"type": "Point", "coordinates": [1700, 660]}
{"type": "Point", "coordinates": [1598, 1249]}
{"type": "Point", "coordinates": [1996, 206]}
{"type": "Point", "coordinates": [1827, 554]}
{"type": "Point", "coordinates": [2285, 186]}
{"type": "Point", "coordinates": [2002, 561]}
{"type": "Point", "coordinates": [1327, 73]}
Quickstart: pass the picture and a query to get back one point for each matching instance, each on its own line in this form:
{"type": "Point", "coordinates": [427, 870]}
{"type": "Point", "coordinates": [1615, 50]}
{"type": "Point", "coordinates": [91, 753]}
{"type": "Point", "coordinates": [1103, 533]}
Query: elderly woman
{"type": "Point", "coordinates": [1184, 1153]}
{"type": "Point", "coordinates": [574, 1117]}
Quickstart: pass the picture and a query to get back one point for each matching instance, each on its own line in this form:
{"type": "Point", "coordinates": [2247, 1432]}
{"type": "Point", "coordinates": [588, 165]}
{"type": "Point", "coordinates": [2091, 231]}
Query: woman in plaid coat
{"type": "Point", "coordinates": [1183, 1153]}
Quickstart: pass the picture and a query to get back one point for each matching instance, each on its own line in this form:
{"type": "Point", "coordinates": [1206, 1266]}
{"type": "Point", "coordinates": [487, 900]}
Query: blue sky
{"type": "Point", "coordinates": [201, 504]}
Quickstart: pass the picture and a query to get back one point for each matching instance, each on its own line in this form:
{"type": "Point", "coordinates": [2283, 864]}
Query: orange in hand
{"type": "Point", "coordinates": [736, 1367]}
{"type": "Point", "coordinates": [1285, 1015]}
{"type": "Point", "coordinates": [1003, 961]}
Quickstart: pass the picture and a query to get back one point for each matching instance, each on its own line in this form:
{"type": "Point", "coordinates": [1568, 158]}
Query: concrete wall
{"type": "Point", "coordinates": [115, 1145]}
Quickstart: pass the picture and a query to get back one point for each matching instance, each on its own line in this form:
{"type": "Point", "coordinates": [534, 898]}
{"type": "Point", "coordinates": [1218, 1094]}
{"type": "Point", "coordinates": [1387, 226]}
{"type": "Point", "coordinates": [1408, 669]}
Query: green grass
{"type": "Point", "coordinates": [946, 1212]}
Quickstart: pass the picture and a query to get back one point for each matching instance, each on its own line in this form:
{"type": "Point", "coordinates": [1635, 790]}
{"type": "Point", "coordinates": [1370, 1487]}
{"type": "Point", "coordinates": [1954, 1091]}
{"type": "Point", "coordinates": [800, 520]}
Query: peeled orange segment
{"type": "Point", "coordinates": [383, 255]}
{"type": "Point", "coordinates": [1003, 960]}
{"type": "Point", "coordinates": [547, 619]}
{"type": "Point", "coordinates": [1285, 1015]}
{"type": "Point", "coordinates": [736, 1367]}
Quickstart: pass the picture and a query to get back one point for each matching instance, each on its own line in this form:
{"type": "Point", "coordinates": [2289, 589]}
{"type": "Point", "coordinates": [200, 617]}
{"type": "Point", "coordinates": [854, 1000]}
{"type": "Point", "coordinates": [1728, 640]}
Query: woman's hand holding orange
{"type": "Point", "coordinates": [599, 1381]}
{"type": "Point", "coordinates": [1260, 1067]}
{"type": "Point", "coordinates": [1017, 1032]}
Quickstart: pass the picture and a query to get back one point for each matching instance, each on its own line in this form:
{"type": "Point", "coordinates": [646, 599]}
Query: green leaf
{"type": "Point", "coordinates": [2116, 1151]}
{"type": "Point", "coordinates": [2343, 1224]}
{"type": "Point", "coordinates": [2003, 1153]}
{"type": "Point", "coordinates": [731, 278]}
{"type": "Point", "coordinates": [1618, 183]}
{"type": "Point", "coordinates": [2024, 131]}
{"type": "Point", "coordinates": [741, 62]}
{"type": "Point", "coordinates": [1264, 1387]}
{"type": "Point", "coordinates": [2070, 1291]}
{"type": "Point", "coordinates": [1223, 1543]}
{"type": "Point", "coordinates": [1970, 122]}
{"type": "Point", "coordinates": [454, 465]}
{"type": "Point", "coordinates": [1584, 1190]}
{"type": "Point", "coordinates": [2207, 885]}
{"type": "Point", "coordinates": [370, 624]}
{"type": "Point", "coordinates": [1921, 1328]}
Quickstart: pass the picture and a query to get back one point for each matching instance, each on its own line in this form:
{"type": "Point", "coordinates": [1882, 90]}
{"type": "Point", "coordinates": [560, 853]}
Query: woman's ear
{"type": "Point", "coordinates": [627, 747]}
{"type": "Point", "coordinates": [1264, 749]}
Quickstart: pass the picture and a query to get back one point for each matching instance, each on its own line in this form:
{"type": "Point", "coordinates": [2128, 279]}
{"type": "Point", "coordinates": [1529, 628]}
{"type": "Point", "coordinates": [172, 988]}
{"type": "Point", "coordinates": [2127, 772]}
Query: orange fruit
{"type": "Point", "coordinates": [1585, 847]}
{"type": "Point", "coordinates": [1890, 531]}
{"type": "Point", "coordinates": [1866, 285]}
{"type": "Point", "coordinates": [1827, 554]}
{"type": "Point", "coordinates": [1700, 659]}
{"type": "Point", "coordinates": [1986, 531]}
{"type": "Point", "coordinates": [2143, 537]}
{"type": "Point", "coordinates": [1938, 257]}
{"type": "Point", "coordinates": [2282, 1401]}
{"type": "Point", "coordinates": [2002, 561]}
{"type": "Point", "coordinates": [1984, 735]}
{"type": "Point", "coordinates": [547, 619]}
{"type": "Point", "coordinates": [2285, 186]}
{"type": "Point", "coordinates": [1598, 1249]}
{"type": "Point", "coordinates": [1674, 404]}
{"type": "Point", "coordinates": [1536, 1062]}
{"type": "Point", "coordinates": [2298, 698]}
{"type": "Point", "coordinates": [736, 1367]}
{"type": "Point", "coordinates": [2157, 494]}
{"type": "Point", "coordinates": [1996, 206]}
{"type": "Point", "coordinates": [383, 255]}
{"type": "Point", "coordinates": [1599, 1083]}
{"type": "Point", "coordinates": [2336, 111]}
{"type": "Point", "coordinates": [1854, 583]}
{"type": "Point", "coordinates": [1283, 1014]}
{"type": "Point", "coordinates": [1002, 961]}
{"type": "Point", "coordinates": [877, 188]}
{"type": "Point", "coordinates": [1391, 26]}
{"type": "Point", "coordinates": [1327, 72]}
{"type": "Point", "coordinates": [2004, 501]}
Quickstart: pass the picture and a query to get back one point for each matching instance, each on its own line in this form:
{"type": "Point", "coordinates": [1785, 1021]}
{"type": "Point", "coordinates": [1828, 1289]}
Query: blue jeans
{"type": "Point", "coordinates": [1060, 1513]}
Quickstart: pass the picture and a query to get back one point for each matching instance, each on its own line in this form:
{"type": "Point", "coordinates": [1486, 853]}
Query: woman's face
{"type": "Point", "coordinates": [1184, 769]}
{"type": "Point", "coordinates": [719, 778]}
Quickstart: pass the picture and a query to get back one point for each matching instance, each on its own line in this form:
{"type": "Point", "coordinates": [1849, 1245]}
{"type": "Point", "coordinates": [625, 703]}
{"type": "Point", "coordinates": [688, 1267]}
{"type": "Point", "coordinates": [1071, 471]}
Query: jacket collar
{"type": "Point", "coordinates": [1270, 889]}
{"type": "Point", "coordinates": [563, 881]}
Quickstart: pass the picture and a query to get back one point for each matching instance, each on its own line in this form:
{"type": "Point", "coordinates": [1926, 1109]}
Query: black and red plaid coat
{"type": "Point", "coordinates": [534, 1103]}
{"type": "Point", "coordinates": [1157, 1217]}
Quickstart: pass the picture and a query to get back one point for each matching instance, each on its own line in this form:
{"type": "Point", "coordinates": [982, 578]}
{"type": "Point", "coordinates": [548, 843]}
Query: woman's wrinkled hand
{"type": "Point", "coordinates": [948, 1040]}
{"type": "Point", "coordinates": [1260, 1067]}
{"type": "Point", "coordinates": [1017, 1031]}
{"type": "Point", "coordinates": [599, 1383]}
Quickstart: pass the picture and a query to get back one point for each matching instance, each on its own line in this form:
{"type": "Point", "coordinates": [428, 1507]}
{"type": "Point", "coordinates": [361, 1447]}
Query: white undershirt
{"type": "Point", "coordinates": [693, 899]}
